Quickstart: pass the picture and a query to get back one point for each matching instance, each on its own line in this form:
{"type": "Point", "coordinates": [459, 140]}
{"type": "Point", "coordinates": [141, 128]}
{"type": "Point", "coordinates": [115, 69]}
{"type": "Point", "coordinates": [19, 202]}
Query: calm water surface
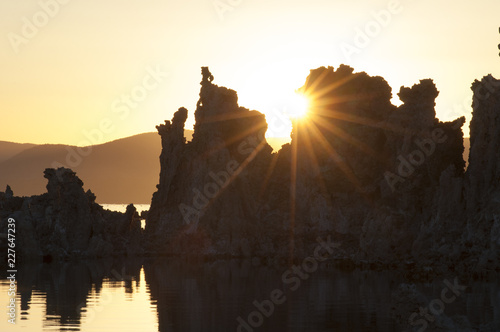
{"type": "Point", "coordinates": [161, 294]}
{"type": "Point", "coordinates": [175, 295]}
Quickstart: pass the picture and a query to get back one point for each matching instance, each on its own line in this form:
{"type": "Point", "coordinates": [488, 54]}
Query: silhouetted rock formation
{"type": "Point", "coordinates": [66, 222]}
{"type": "Point", "coordinates": [369, 171]}
{"type": "Point", "coordinates": [8, 192]}
{"type": "Point", "coordinates": [482, 190]}
{"type": "Point", "coordinates": [387, 182]}
{"type": "Point", "coordinates": [208, 191]}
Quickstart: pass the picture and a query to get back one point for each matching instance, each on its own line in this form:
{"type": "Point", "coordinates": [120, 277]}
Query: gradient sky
{"type": "Point", "coordinates": [65, 81]}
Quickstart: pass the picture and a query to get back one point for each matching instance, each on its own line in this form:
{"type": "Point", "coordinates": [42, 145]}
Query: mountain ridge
{"type": "Point", "coordinates": [21, 166]}
{"type": "Point", "coordinates": [136, 155]}
{"type": "Point", "coordinates": [10, 149]}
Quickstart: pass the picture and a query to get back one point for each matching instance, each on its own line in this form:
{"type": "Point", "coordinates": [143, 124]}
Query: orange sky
{"type": "Point", "coordinates": [81, 72]}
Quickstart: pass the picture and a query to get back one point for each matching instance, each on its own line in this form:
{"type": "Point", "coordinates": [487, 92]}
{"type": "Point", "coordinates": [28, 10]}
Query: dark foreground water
{"type": "Point", "coordinates": [174, 295]}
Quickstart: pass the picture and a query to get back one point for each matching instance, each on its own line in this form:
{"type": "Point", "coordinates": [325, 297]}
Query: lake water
{"type": "Point", "coordinates": [166, 294]}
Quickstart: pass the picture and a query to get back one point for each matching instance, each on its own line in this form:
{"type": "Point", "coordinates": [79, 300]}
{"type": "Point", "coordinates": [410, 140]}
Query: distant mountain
{"type": "Point", "coordinates": [122, 171]}
{"type": "Point", "coordinates": [9, 149]}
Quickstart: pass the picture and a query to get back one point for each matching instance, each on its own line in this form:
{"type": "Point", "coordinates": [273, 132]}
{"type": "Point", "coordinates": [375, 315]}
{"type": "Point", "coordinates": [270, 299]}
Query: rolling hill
{"type": "Point", "coordinates": [122, 171]}
{"type": "Point", "coordinates": [9, 149]}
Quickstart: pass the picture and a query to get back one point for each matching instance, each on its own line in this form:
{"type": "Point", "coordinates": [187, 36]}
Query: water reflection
{"type": "Point", "coordinates": [68, 295]}
{"type": "Point", "coordinates": [176, 295]}
{"type": "Point", "coordinates": [211, 296]}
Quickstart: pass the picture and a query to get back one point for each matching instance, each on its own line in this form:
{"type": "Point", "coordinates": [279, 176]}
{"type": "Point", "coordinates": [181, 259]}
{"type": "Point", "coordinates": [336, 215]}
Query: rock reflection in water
{"type": "Point", "coordinates": [166, 294]}
{"type": "Point", "coordinates": [66, 288]}
{"type": "Point", "coordinates": [211, 296]}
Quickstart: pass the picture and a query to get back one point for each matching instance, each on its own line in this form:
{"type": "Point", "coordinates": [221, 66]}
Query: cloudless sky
{"type": "Point", "coordinates": [62, 81]}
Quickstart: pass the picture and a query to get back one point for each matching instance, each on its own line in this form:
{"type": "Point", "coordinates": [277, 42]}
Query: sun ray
{"type": "Point", "coordinates": [237, 172]}
{"type": "Point", "coordinates": [343, 116]}
{"type": "Point", "coordinates": [322, 103]}
{"type": "Point", "coordinates": [344, 168]}
{"type": "Point", "coordinates": [269, 173]}
{"type": "Point", "coordinates": [241, 136]}
{"type": "Point", "coordinates": [293, 196]}
{"type": "Point", "coordinates": [349, 139]}
{"type": "Point", "coordinates": [306, 138]}
{"type": "Point", "coordinates": [317, 93]}
{"type": "Point", "coordinates": [337, 158]}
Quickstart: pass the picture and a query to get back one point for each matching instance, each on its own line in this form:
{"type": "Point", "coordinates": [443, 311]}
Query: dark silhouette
{"type": "Point", "coordinates": [66, 222]}
{"type": "Point", "coordinates": [387, 184]}
{"type": "Point", "coordinates": [337, 175]}
{"type": "Point", "coordinates": [8, 192]}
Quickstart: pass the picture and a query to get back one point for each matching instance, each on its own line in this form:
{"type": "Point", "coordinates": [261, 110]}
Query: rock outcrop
{"type": "Point", "coordinates": [387, 182]}
{"type": "Point", "coordinates": [482, 190]}
{"type": "Point", "coordinates": [67, 222]}
{"type": "Point", "coordinates": [207, 198]}
{"type": "Point", "coordinates": [387, 185]}
{"type": "Point", "coordinates": [369, 171]}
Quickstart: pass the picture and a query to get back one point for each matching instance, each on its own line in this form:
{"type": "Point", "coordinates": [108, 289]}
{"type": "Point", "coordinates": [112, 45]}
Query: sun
{"type": "Point", "coordinates": [271, 89]}
{"type": "Point", "coordinates": [298, 106]}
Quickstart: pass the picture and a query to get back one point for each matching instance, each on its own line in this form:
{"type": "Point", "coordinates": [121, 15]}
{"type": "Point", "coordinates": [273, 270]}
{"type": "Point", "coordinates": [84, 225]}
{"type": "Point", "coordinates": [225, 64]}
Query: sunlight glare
{"type": "Point", "coordinates": [298, 106]}
{"type": "Point", "coordinates": [270, 89]}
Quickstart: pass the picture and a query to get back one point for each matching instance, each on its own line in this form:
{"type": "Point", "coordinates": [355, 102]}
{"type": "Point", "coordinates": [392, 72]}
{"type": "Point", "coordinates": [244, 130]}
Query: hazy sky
{"type": "Point", "coordinates": [88, 71]}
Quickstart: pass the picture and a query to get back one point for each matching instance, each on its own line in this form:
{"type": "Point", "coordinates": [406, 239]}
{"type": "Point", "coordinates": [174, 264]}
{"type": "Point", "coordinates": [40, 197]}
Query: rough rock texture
{"type": "Point", "coordinates": [66, 222]}
{"type": "Point", "coordinates": [387, 183]}
{"type": "Point", "coordinates": [207, 198]}
{"type": "Point", "coordinates": [374, 167]}
{"type": "Point", "coordinates": [382, 185]}
{"type": "Point", "coordinates": [409, 304]}
{"type": "Point", "coordinates": [482, 190]}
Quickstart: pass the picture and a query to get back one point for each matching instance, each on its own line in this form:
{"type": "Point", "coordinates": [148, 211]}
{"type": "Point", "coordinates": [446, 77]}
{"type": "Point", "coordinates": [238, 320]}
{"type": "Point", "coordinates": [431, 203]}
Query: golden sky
{"type": "Point", "coordinates": [81, 72]}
